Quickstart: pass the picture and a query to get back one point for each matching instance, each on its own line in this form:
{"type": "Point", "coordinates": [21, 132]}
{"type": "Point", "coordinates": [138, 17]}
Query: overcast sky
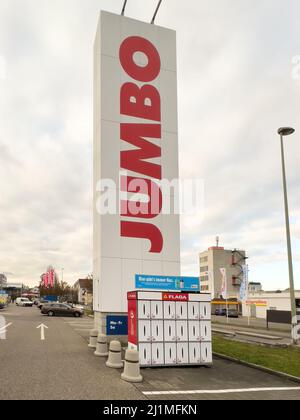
{"type": "Point", "coordinates": [237, 84]}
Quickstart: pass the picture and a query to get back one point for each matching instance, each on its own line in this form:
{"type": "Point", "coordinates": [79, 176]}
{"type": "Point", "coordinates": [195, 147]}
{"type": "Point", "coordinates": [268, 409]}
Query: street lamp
{"type": "Point", "coordinates": [283, 132]}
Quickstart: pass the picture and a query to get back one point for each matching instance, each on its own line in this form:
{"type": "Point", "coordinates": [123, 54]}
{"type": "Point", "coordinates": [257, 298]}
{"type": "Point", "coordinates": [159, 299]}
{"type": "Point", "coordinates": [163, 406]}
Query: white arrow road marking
{"type": "Point", "coordinates": [3, 331]}
{"type": "Point", "coordinates": [42, 327]}
{"type": "Point", "coordinates": [5, 326]}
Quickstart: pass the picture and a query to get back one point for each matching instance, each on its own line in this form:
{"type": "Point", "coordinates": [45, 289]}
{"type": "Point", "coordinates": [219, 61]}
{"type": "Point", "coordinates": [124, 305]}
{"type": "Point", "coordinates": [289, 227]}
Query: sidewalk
{"type": "Point", "coordinates": [257, 332]}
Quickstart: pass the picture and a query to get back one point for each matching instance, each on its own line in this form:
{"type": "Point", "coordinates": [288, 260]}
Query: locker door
{"type": "Point", "coordinates": [194, 331]}
{"type": "Point", "coordinates": [156, 310]}
{"type": "Point", "coordinates": [170, 331]}
{"type": "Point", "coordinates": [205, 310]}
{"type": "Point", "coordinates": [144, 331]}
{"type": "Point", "coordinates": [158, 354]}
{"type": "Point", "coordinates": [145, 354]}
{"type": "Point", "coordinates": [182, 353]}
{"type": "Point", "coordinates": [205, 330]}
{"type": "Point", "coordinates": [194, 310]}
{"type": "Point", "coordinates": [169, 310]}
{"type": "Point", "coordinates": [182, 331]}
{"type": "Point", "coordinates": [157, 331]}
{"type": "Point", "coordinates": [195, 353]}
{"type": "Point", "coordinates": [144, 309]}
{"type": "Point", "coordinates": [181, 310]}
{"type": "Point", "coordinates": [206, 353]}
{"type": "Point", "coordinates": [170, 354]}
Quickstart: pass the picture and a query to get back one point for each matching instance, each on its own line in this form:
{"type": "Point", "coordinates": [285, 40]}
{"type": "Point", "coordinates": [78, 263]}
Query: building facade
{"type": "Point", "coordinates": [216, 258]}
{"type": "Point", "coordinates": [259, 303]}
{"type": "Point", "coordinates": [84, 288]}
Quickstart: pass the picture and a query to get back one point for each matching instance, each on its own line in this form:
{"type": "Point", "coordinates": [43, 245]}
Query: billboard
{"type": "Point", "coordinates": [135, 152]}
{"type": "Point", "coordinates": [168, 283]}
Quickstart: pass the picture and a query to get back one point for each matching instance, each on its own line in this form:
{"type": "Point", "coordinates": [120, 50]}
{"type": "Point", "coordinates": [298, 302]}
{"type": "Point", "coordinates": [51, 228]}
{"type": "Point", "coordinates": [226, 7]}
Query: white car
{"type": "Point", "coordinates": [24, 302]}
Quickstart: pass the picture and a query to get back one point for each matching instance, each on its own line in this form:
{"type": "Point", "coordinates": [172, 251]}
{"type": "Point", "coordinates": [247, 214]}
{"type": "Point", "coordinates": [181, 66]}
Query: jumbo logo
{"type": "Point", "coordinates": [143, 102]}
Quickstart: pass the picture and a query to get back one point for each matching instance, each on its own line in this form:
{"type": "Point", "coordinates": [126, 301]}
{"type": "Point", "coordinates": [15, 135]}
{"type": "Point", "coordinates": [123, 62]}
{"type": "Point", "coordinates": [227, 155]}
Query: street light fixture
{"type": "Point", "coordinates": [283, 132]}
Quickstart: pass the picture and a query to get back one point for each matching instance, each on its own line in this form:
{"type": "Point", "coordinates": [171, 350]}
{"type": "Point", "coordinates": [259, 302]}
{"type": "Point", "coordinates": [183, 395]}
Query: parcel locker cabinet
{"type": "Point", "coordinates": [145, 333]}
{"type": "Point", "coordinates": [145, 354]}
{"type": "Point", "coordinates": [144, 309]}
{"type": "Point", "coordinates": [170, 333]}
{"type": "Point", "coordinates": [169, 310]}
{"type": "Point", "coordinates": [181, 310]}
{"type": "Point", "coordinates": [157, 331]}
{"type": "Point", "coordinates": [156, 310]}
{"type": "Point", "coordinates": [205, 331]}
{"type": "Point", "coordinates": [157, 352]}
{"type": "Point", "coordinates": [205, 311]}
{"type": "Point", "coordinates": [194, 310]}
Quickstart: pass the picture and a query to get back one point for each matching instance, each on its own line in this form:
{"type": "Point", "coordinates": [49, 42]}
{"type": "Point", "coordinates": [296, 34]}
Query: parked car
{"type": "Point", "coordinates": [2, 306]}
{"type": "Point", "coordinates": [220, 312]}
{"type": "Point", "coordinates": [42, 303]}
{"type": "Point", "coordinates": [233, 313]}
{"type": "Point", "coordinates": [25, 302]}
{"type": "Point", "coordinates": [61, 309]}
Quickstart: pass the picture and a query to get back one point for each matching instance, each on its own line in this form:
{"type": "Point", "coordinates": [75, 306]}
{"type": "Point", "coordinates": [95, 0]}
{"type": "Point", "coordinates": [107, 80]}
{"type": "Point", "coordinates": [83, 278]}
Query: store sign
{"type": "Point", "coordinates": [116, 325]}
{"type": "Point", "coordinates": [135, 151]}
{"type": "Point", "coordinates": [179, 297]}
{"type": "Point", "coordinates": [257, 302]}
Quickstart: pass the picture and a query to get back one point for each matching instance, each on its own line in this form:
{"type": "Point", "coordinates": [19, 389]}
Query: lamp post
{"type": "Point", "coordinates": [283, 132]}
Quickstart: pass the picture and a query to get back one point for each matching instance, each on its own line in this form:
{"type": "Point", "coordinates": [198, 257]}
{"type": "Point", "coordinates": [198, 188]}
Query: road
{"type": "Point", "coordinates": [62, 367]}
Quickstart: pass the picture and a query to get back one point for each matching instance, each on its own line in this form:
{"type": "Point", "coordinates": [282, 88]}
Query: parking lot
{"type": "Point", "coordinates": [62, 367]}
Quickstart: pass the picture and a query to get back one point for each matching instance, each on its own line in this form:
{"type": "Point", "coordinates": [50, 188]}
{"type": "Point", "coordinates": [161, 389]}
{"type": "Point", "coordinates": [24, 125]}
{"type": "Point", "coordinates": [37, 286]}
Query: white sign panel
{"type": "Point", "coordinates": [135, 154]}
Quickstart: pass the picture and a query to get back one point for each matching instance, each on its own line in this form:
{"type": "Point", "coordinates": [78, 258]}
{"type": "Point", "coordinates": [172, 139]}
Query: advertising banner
{"type": "Point", "coordinates": [169, 283]}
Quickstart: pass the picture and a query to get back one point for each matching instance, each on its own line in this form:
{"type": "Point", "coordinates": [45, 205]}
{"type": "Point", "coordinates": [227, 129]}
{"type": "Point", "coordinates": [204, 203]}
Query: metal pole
{"type": "Point", "coordinates": [289, 247]}
{"type": "Point", "coordinates": [124, 7]}
{"type": "Point", "coordinates": [156, 11]}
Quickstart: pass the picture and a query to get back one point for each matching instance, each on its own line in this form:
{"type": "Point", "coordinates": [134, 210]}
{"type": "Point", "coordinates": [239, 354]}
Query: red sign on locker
{"type": "Point", "coordinates": [180, 297]}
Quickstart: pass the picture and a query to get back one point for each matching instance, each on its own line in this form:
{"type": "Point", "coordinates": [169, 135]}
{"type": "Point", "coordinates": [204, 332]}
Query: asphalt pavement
{"type": "Point", "coordinates": [62, 367]}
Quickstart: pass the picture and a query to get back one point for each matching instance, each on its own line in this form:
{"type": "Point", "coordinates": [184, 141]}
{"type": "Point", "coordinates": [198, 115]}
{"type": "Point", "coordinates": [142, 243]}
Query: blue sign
{"type": "Point", "coordinates": [3, 292]}
{"type": "Point", "coordinates": [116, 325]}
{"type": "Point", "coordinates": [167, 283]}
{"type": "Point", "coordinates": [50, 298]}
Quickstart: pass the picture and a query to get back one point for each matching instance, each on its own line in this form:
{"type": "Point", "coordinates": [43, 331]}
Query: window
{"type": "Point", "coordinates": [203, 269]}
{"type": "Point", "coordinates": [203, 260]}
{"type": "Point", "coordinates": [204, 278]}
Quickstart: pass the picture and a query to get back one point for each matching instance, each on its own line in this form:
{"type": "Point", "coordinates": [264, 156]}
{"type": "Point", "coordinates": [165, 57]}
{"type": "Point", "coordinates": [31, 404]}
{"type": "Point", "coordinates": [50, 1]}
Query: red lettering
{"type": "Point", "coordinates": [143, 231]}
{"type": "Point", "coordinates": [136, 44]}
{"type": "Point", "coordinates": [135, 160]}
{"type": "Point", "coordinates": [141, 102]}
{"type": "Point", "coordinates": [137, 208]}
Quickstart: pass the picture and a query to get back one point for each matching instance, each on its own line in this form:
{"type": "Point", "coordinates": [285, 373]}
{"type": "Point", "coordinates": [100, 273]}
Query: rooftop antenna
{"type": "Point", "coordinates": [124, 7]}
{"type": "Point", "coordinates": [156, 11]}
{"type": "Point", "coordinates": [217, 241]}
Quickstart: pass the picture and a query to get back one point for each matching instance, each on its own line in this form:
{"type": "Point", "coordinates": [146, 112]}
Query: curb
{"type": "Point", "coordinates": [257, 367]}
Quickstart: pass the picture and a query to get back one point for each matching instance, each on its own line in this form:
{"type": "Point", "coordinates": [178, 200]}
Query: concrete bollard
{"type": "Point", "coordinates": [115, 355]}
{"type": "Point", "coordinates": [102, 348]}
{"type": "Point", "coordinates": [132, 367]}
{"type": "Point", "coordinates": [93, 339]}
